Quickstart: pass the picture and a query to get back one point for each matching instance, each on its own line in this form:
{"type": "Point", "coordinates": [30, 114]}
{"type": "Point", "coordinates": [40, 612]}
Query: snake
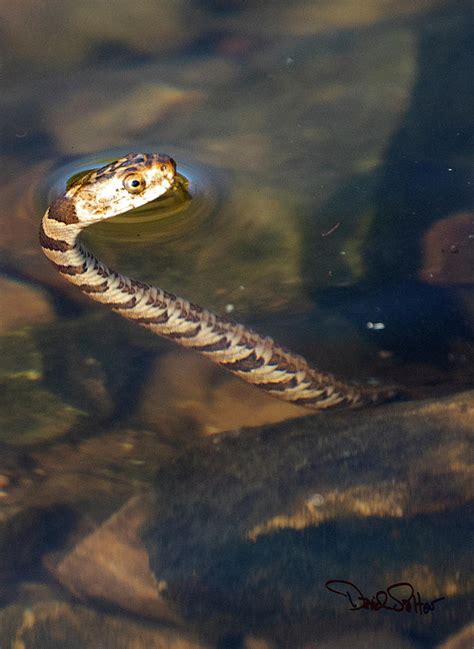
{"type": "Point", "coordinates": [133, 181]}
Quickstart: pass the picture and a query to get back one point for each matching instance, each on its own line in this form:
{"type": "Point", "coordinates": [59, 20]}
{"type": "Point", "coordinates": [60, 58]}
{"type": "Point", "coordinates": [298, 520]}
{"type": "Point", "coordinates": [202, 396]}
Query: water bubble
{"type": "Point", "coordinates": [316, 500]}
{"type": "Point", "coordinates": [375, 326]}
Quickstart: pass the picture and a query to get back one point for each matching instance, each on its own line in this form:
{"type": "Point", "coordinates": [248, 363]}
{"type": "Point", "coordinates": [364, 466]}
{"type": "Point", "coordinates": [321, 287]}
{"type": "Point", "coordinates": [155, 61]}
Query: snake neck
{"type": "Point", "coordinates": [254, 358]}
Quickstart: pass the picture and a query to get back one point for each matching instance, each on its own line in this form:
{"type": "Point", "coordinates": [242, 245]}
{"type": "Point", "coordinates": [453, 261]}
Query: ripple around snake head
{"type": "Point", "coordinates": [190, 201]}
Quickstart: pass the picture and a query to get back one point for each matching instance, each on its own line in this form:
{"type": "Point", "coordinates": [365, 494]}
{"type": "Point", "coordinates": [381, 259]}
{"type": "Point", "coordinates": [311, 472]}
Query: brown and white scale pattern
{"type": "Point", "coordinates": [135, 180]}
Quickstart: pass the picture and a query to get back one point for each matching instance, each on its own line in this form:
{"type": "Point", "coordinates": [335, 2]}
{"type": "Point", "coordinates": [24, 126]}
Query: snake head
{"type": "Point", "coordinates": [123, 185]}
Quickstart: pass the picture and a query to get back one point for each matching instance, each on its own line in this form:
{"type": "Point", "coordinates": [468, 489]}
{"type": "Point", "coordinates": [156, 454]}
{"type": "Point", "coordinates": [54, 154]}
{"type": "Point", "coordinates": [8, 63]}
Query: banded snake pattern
{"type": "Point", "coordinates": [135, 180]}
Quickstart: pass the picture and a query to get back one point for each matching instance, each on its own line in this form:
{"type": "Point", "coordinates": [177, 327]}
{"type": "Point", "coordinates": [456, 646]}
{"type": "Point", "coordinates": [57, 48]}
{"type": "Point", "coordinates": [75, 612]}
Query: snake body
{"type": "Point", "coordinates": [128, 183]}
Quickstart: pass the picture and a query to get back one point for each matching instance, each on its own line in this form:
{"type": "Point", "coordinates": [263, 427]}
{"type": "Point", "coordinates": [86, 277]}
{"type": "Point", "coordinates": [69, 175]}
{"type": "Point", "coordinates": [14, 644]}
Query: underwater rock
{"type": "Point", "coordinates": [102, 470]}
{"type": "Point", "coordinates": [20, 529]}
{"type": "Point", "coordinates": [21, 357]}
{"type": "Point", "coordinates": [31, 414]}
{"type": "Point", "coordinates": [362, 639]}
{"type": "Point", "coordinates": [111, 565]}
{"type": "Point", "coordinates": [254, 522]}
{"type": "Point", "coordinates": [22, 305]}
{"type": "Point", "coordinates": [22, 536]}
{"type": "Point", "coordinates": [52, 497]}
{"type": "Point", "coordinates": [448, 251]}
{"type": "Point", "coordinates": [19, 247]}
{"type": "Point", "coordinates": [51, 375]}
{"type": "Point", "coordinates": [14, 464]}
{"type": "Point", "coordinates": [205, 405]}
{"type": "Point", "coordinates": [56, 624]}
{"type": "Point", "coordinates": [463, 639]}
{"type": "Point", "coordinates": [67, 34]}
{"type": "Point", "coordinates": [84, 367]}
{"type": "Point", "coordinates": [91, 125]}
{"type": "Point", "coordinates": [264, 517]}
{"type": "Point", "coordinates": [251, 642]}
{"type": "Point", "coordinates": [309, 18]}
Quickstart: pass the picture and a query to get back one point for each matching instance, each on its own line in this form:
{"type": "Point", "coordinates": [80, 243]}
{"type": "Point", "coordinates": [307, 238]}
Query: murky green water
{"type": "Point", "coordinates": [325, 199]}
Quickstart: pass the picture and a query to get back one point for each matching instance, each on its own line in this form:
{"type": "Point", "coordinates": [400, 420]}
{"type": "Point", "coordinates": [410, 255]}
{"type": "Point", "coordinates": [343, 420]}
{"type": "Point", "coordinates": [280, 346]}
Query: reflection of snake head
{"type": "Point", "coordinates": [123, 185]}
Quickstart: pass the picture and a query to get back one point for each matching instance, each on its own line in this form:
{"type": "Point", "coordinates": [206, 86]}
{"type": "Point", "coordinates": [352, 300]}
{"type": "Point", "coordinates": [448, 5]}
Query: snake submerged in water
{"type": "Point", "coordinates": [135, 180]}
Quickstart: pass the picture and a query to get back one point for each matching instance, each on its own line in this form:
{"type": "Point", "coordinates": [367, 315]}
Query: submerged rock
{"type": "Point", "coordinates": [265, 517]}
{"type": "Point", "coordinates": [111, 565]}
{"type": "Point", "coordinates": [67, 34]}
{"type": "Point", "coordinates": [448, 251]}
{"type": "Point", "coordinates": [56, 624]}
{"type": "Point", "coordinates": [463, 639]}
{"type": "Point", "coordinates": [22, 305]}
{"type": "Point", "coordinates": [245, 529]}
{"type": "Point", "coordinates": [20, 357]}
{"type": "Point", "coordinates": [78, 121]}
{"type": "Point", "coordinates": [205, 405]}
{"type": "Point", "coordinates": [31, 414]}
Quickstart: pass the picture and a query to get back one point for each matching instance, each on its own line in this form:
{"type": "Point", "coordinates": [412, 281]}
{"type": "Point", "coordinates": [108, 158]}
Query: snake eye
{"type": "Point", "coordinates": [134, 183]}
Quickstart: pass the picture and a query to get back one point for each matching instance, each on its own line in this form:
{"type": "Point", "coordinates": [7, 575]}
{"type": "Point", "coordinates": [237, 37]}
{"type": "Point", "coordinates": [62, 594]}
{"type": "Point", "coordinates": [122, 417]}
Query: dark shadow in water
{"type": "Point", "coordinates": [424, 178]}
{"type": "Point", "coordinates": [238, 535]}
{"type": "Point", "coordinates": [279, 580]}
{"type": "Point", "coordinates": [41, 530]}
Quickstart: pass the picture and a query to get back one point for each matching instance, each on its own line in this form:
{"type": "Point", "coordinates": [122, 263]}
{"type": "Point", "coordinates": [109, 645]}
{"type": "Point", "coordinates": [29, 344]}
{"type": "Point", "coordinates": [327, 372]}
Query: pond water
{"type": "Point", "coordinates": [324, 198]}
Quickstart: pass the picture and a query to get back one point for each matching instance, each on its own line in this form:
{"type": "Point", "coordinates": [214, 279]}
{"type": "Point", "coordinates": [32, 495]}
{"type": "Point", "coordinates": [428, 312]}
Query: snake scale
{"type": "Point", "coordinates": [128, 183]}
